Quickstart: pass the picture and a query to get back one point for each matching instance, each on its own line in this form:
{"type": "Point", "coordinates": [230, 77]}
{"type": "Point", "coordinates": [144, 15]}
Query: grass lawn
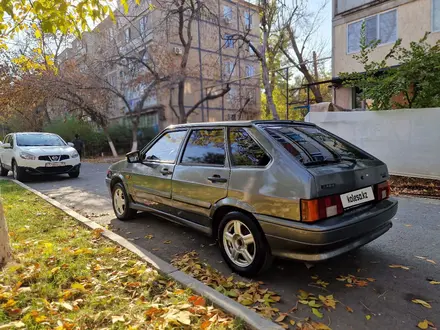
{"type": "Point", "coordinates": [67, 277]}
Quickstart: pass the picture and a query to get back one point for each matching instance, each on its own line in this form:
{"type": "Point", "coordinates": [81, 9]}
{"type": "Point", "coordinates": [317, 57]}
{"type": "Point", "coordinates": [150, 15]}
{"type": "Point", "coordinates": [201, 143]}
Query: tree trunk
{"type": "Point", "coordinates": [266, 78]}
{"type": "Point", "coordinates": [181, 102]}
{"type": "Point", "coordinates": [134, 137]}
{"type": "Point", "coordinates": [110, 143]}
{"type": "Point", "coordinates": [5, 247]}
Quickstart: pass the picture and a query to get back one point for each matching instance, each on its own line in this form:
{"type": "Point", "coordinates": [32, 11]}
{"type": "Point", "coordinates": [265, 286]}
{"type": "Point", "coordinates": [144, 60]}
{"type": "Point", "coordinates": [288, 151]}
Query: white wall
{"type": "Point", "coordinates": [408, 141]}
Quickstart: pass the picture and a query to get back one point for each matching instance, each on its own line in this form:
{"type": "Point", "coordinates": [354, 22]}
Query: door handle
{"type": "Point", "coordinates": [165, 171]}
{"type": "Point", "coordinates": [217, 178]}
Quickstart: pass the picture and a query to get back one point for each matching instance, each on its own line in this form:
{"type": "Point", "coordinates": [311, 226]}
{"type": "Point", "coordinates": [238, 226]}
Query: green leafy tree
{"type": "Point", "coordinates": [412, 83]}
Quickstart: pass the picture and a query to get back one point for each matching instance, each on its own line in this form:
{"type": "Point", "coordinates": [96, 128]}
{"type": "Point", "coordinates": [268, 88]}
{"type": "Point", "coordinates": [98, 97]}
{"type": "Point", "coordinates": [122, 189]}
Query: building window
{"type": "Point", "coordinates": [227, 13]}
{"type": "Point", "coordinates": [435, 16]}
{"type": "Point", "coordinates": [229, 41]}
{"type": "Point", "coordinates": [228, 70]}
{"type": "Point", "coordinates": [143, 26]}
{"type": "Point", "coordinates": [248, 20]}
{"type": "Point", "coordinates": [127, 34]}
{"type": "Point", "coordinates": [249, 71]}
{"type": "Point", "coordinates": [381, 27]}
{"type": "Point", "coordinates": [232, 95]}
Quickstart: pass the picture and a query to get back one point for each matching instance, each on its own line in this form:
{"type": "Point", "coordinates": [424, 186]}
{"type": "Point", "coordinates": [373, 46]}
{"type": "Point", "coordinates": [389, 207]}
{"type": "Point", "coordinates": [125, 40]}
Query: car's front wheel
{"type": "Point", "coordinates": [3, 171]}
{"type": "Point", "coordinates": [120, 203]}
{"type": "Point", "coordinates": [74, 174]}
{"type": "Point", "coordinates": [18, 172]}
{"type": "Point", "coordinates": [243, 244]}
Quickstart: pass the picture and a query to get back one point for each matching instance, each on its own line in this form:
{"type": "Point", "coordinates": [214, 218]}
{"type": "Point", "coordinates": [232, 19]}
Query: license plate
{"type": "Point", "coordinates": [55, 164]}
{"type": "Point", "coordinates": [357, 197]}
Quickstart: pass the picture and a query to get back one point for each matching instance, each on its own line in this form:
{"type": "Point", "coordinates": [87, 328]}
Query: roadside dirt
{"type": "Point", "coordinates": [401, 185]}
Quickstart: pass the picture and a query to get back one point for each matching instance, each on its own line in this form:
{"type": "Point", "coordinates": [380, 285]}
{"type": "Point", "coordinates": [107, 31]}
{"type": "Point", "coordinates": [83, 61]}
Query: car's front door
{"type": "Point", "coordinates": [201, 176]}
{"type": "Point", "coordinates": [149, 182]}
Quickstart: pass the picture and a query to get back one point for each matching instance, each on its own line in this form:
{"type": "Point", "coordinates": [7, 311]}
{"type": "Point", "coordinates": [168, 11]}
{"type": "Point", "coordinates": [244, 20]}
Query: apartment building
{"type": "Point", "coordinates": [385, 20]}
{"type": "Point", "coordinates": [214, 59]}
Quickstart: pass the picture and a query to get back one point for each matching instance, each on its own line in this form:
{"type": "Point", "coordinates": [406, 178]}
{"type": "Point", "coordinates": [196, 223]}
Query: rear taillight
{"type": "Point", "coordinates": [320, 208]}
{"type": "Point", "coordinates": [382, 190]}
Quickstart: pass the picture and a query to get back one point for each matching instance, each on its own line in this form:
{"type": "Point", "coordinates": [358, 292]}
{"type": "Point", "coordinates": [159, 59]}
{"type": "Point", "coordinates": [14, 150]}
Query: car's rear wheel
{"type": "Point", "coordinates": [243, 244]}
{"type": "Point", "coordinates": [18, 172]}
{"type": "Point", "coordinates": [120, 203]}
{"type": "Point", "coordinates": [3, 171]}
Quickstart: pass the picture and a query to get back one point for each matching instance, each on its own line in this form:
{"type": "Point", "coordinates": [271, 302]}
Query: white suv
{"type": "Point", "coordinates": [37, 153]}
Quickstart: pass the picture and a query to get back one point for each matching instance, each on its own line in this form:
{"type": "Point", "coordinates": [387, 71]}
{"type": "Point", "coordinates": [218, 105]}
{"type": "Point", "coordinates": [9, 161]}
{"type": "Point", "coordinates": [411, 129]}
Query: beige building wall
{"type": "Point", "coordinates": [413, 20]}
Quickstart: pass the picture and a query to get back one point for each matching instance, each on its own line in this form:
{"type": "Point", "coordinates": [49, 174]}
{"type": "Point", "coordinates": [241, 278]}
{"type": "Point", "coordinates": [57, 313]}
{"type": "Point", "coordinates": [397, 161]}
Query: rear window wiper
{"type": "Point", "coordinates": [348, 159]}
{"type": "Point", "coordinates": [320, 162]}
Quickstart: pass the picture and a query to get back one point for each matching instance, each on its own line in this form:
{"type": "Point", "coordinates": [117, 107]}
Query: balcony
{"type": "Point", "coordinates": [342, 6]}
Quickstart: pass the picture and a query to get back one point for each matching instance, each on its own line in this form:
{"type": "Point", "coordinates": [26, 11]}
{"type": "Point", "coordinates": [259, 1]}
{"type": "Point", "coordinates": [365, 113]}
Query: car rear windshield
{"type": "Point", "coordinates": [39, 140]}
{"type": "Point", "coordinates": [312, 145]}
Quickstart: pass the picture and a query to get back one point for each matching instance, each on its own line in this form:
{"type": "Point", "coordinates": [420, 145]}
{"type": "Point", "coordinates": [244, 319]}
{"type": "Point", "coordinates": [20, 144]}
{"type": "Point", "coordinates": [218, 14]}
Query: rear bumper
{"type": "Point", "coordinates": [331, 237]}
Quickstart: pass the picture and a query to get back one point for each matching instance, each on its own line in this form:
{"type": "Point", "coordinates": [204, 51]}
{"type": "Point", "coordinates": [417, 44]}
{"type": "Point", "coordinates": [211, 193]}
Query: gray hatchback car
{"type": "Point", "coordinates": [262, 188]}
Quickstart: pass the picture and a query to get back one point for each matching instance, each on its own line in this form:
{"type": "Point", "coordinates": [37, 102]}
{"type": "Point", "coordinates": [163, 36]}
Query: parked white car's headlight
{"type": "Point", "coordinates": [74, 155]}
{"type": "Point", "coordinates": [27, 155]}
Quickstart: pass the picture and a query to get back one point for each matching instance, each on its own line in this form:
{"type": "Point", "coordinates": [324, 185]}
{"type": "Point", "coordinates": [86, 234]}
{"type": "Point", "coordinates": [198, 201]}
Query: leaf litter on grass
{"type": "Point", "coordinates": [67, 277]}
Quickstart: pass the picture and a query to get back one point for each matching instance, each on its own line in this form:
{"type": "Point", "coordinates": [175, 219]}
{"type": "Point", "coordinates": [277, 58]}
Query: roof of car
{"type": "Point", "coordinates": [241, 123]}
{"type": "Point", "coordinates": [34, 133]}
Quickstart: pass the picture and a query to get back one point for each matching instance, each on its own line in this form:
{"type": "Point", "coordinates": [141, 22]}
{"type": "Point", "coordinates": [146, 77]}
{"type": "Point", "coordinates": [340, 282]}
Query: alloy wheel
{"type": "Point", "coordinates": [239, 243]}
{"type": "Point", "coordinates": [119, 201]}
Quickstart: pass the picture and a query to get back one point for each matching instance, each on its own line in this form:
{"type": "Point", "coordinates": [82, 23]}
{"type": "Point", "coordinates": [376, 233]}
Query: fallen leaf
{"type": "Point", "coordinates": [292, 322]}
{"type": "Point", "coordinates": [431, 261]}
{"type": "Point", "coordinates": [317, 313]}
{"type": "Point", "coordinates": [320, 326]}
{"type": "Point", "coordinates": [40, 318]}
{"type": "Point", "coordinates": [167, 242]}
{"type": "Point", "coordinates": [281, 317]}
{"type": "Point", "coordinates": [368, 317]}
{"type": "Point", "coordinates": [149, 236]}
{"type": "Point", "coordinates": [434, 282]}
{"type": "Point", "coordinates": [284, 325]}
{"type": "Point", "coordinates": [349, 309]}
{"type": "Point", "coordinates": [205, 325]}
{"type": "Point", "coordinates": [370, 279]}
{"type": "Point", "coordinates": [423, 325]}
{"type": "Point", "coordinates": [117, 319]}
{"type": "Point", "coordinates": [399, 266]}
{"type": "Point", "coordinates": [184, 317]}
{"type": "Point", "coordinates": [67, 306]}
{"type": "Point", "coordinates": [408, 225]}
{"type": "Point", "coordinates": [197, 300]}
{"type": "Point", "coordinates": [421, 302]}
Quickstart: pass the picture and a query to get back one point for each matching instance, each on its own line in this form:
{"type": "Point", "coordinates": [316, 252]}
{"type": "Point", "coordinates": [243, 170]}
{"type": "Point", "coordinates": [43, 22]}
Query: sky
{"type": "Point", "coordinates": [325, 30]}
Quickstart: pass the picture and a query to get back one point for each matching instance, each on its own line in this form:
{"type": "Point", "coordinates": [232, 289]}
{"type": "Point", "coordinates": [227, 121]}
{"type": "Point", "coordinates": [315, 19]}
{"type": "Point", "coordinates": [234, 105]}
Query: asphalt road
{"type": "Point", "coordinates": [416, 232]}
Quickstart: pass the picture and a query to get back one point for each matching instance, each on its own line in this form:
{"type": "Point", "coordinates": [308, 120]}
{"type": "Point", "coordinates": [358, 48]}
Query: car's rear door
{"type": "Point", "coordinates": [6, 153]}
{"type": "Point", "coordinates": [201, 177]}
{"type": "Point", "coordinates": [149, 182]}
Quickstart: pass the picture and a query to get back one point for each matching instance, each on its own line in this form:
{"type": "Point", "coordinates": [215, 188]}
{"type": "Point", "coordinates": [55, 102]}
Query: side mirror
{"type": "Point", "coordinates": [133, 157]}
{"type": "Point", "coordinates": [6, 146]}
{"type": "Point", "coordinates": [70, 144]}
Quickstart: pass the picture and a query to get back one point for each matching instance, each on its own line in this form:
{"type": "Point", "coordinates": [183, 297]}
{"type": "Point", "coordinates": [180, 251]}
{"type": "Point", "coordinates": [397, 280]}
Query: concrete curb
{"type": "Point", "coordinates": [232, 307]}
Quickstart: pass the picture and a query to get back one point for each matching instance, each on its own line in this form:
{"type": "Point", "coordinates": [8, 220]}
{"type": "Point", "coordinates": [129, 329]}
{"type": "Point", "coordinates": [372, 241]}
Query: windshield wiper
{"type": "Point", "coordinates": [348, 159]}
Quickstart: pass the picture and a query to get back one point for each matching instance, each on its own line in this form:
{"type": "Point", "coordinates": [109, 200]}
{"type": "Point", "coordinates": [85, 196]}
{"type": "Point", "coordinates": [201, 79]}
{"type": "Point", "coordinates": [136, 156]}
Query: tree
{"type": "Point", "coordinates": [183, 14]}
{"type": "Point", "coordinates": [300, 51]}
{"type": "Point", "coordinates": [412, 83]}
{"type": "Point", "coordinates": [5, 247]}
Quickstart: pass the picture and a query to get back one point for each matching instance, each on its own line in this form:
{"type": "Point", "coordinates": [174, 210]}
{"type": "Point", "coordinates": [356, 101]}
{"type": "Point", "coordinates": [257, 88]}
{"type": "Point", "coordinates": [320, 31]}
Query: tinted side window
{"type": "Point", "coordinates": [205, 147]}
{"type": "Point", "coordinates": [244, 150]}
{"type": "Point", "coordinates": [166, 148]}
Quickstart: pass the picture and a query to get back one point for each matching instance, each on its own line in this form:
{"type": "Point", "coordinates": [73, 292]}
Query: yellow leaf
{"type": "Point", "coordinates": [246, 302]}
{"type": "Point", "coordinates": [434, 282]}
{"type": "Point", "coordinates": [423, 324]}
{"type": "Point", "coordinates": [320, 326]}
{"type": "Point", "coordinates": [184, 317]}
{"type": "Point", "coordinates": [166, 242]}
{"type": "Point", "coordinates": [284, 325]}
{"type": "Point", "coordinates": [399, 266]}
{"type": "Point", "coordinates": [369, 279]}
{"type": "Point", "coordinates": [54, 270]}
{"type": "Point", "coordinates": [37, 34]}
{"type": "Point", "coordinates": [40, 318]}
{"type": "Point", "coordinates": [368, 317]}
{"type": "Point", "coordinates": [78, 286]}
{"type": "Point", "coordinates": [281, 317]}
{"type": "Point", "coordinates": [421, 302]}
{"type": "Point", "coordinates": [117, 319]}
{"type": "Point", "coordinates": [292, 322]}
{"type": "Point", "coordinates": [317, 312]}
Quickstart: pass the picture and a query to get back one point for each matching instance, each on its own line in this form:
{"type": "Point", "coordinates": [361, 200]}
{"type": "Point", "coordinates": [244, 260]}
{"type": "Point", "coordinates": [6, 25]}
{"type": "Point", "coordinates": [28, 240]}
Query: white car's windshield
{"type": "Point", "coordinates": [37, 140]}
